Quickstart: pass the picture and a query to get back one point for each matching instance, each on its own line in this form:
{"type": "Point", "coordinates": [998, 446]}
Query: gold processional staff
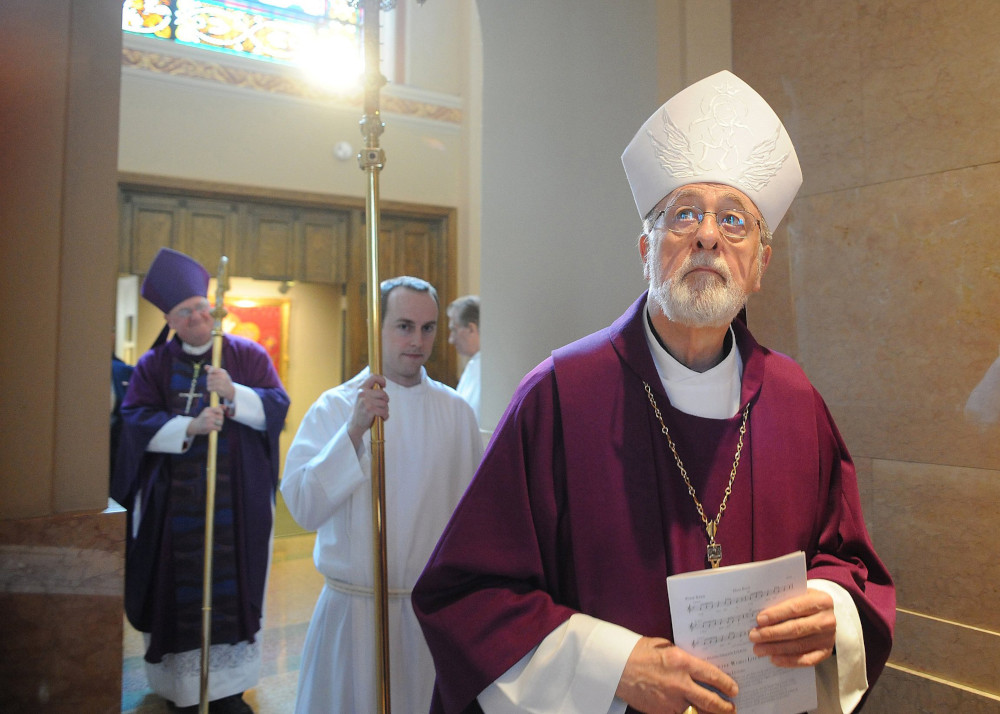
{"type": "Point", "coordinates": [213, 452]}
{"type": "Point", "coordinates": [371, 159]}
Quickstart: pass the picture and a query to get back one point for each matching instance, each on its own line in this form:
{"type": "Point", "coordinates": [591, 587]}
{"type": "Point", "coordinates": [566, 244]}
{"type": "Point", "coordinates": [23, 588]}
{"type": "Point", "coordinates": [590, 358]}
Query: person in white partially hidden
{"type": "Point", "coordinates": [463, 332]}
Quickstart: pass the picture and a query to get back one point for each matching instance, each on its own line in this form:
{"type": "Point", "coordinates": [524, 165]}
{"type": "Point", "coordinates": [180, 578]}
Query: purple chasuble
{"type": "Point", "coordinates": [163, 569]}
{"type": "Point", "coordinates": [578, 506]}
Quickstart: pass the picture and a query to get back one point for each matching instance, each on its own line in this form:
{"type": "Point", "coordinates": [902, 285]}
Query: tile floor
{"type": "Point", "coordinates": [292, 590]}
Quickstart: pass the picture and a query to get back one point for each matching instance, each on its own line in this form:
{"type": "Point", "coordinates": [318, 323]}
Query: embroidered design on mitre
{"type": "Point", "coordinates": [713, 142]}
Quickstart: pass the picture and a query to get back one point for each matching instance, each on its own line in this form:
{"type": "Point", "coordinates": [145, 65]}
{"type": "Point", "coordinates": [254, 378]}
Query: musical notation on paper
{"type": "Point", "coordinates": [713, 612]}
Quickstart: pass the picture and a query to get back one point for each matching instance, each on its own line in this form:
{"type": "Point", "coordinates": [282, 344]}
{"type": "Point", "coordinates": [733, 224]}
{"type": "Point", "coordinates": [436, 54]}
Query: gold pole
{"type": "Point", "coordinates": [213, 451]}
{"type": "Point", "coordinates": [371, 159]}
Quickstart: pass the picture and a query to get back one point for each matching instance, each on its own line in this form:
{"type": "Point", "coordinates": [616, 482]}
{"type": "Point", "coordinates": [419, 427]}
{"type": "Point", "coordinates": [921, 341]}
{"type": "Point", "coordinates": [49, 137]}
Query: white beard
{"type": "Point", "coordinates": [698, 301]}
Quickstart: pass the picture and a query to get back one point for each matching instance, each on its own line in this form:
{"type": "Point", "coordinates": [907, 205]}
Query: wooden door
{"type": "Point", "coordinates": [304, 238]}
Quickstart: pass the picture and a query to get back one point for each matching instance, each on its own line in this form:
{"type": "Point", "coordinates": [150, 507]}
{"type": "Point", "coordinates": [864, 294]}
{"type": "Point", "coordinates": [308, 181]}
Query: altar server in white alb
{"type": "Point", "coordinates": [432, 449]}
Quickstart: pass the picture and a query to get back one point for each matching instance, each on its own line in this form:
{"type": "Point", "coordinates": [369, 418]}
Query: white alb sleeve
{"type": "Point", "coordinates": [842, 680]}
{"type": "Point", "coordinates": [172, 437]}
{"type": "Point", "coordinates": [247, 408]}
{"type": "Point", "coordinates": [574, 670]}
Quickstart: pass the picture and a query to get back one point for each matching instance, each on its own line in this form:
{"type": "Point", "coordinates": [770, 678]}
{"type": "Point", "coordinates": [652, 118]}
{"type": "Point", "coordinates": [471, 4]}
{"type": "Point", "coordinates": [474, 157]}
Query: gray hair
{"type": "Point", "coordinates": [465, 310]}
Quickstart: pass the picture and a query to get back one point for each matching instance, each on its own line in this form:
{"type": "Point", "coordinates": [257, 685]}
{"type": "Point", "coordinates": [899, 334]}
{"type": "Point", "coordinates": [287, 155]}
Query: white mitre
{"type": "Point", "coordinates": [718, 130]}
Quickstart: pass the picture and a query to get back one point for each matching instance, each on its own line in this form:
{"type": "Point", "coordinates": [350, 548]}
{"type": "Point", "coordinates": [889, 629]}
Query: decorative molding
{"type": "Point", "coordinates": [130, 182]}
{"type": "Point", "coordinates": [405, 102]}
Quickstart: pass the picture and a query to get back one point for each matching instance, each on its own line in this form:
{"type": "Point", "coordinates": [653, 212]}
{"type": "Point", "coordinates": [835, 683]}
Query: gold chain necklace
{"type": "Point", "coordinates": [714, 550]}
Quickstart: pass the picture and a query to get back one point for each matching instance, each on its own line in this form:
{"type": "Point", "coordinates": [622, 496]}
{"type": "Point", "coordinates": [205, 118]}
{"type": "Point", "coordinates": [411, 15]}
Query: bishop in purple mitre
{"type": "Point", "coordinates": [160, 478]}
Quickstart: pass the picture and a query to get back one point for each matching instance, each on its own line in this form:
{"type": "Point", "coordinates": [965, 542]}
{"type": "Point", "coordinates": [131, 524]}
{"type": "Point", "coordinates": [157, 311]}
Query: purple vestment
{"type": "Point", "coordinates": [578, 506]}
{"type": "Point", "coordinates": [250, 459]}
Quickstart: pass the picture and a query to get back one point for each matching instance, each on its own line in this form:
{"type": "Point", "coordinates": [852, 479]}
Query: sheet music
{"type": "Point", "coordinates": [713, 612]}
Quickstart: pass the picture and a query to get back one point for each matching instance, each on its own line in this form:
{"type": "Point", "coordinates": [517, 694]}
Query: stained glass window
{"type": "Point", "coordinates": [295, 32]}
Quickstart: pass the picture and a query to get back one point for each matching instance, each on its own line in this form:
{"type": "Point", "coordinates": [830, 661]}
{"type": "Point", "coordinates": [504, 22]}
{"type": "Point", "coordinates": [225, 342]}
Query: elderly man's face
{"type": "Point", "coordinates": [464, 337]}
{"type": "Point", "coordinates": [702, 279]}
{"type": "Point", "coordinates": [192, 320]}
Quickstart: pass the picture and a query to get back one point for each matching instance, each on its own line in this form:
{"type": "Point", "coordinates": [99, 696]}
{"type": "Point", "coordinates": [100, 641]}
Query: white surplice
{"type": "Point", "coordinates": [432, 449]}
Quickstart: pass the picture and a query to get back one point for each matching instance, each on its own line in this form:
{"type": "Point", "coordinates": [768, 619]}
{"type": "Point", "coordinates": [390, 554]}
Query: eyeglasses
{"type": "Point", "coordinates": [186, 312]}
{"type": "Point", "coordinates": [733, 223]}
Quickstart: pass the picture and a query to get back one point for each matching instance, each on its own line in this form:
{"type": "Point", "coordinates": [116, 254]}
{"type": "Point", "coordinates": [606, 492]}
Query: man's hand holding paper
{"type": "Point", "coordinates": [797, 632]}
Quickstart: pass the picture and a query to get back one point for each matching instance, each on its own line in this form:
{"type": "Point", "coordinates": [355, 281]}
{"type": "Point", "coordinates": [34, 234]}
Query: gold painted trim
{"type": "Point", "coordinates": [264, 82]}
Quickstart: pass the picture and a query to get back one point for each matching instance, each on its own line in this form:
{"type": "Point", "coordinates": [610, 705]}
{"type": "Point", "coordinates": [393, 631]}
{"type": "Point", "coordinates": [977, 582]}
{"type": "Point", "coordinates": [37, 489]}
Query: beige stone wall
{"type": "Point", "coordinates": [60, 556]}
{"type": "Point", "coordinates": [886, 287]}
{"type": "Point", "coordinates": [58, 223]}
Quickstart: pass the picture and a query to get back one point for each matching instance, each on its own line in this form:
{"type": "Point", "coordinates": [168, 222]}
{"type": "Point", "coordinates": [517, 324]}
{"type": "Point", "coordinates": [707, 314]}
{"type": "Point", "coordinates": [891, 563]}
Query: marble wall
{"type": "Point", "coordinates": [886, 287]}
{"type": "Point", "coordinates": [61, 598]}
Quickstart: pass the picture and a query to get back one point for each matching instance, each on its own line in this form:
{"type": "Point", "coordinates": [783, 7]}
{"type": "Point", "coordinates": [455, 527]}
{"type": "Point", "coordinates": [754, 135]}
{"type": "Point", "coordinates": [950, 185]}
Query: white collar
{"type": "Point", "coordinates": [714, 394]}
{"type": "Point", "coordinates": [192, 350]}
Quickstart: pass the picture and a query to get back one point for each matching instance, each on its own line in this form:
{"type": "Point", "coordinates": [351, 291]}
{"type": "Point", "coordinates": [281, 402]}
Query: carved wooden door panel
{"type": "Point", "coordinates": [202, 228]}
{"type": "Point", "coordinates": [149, 222]}
{"type": "Point", "coordinates": [321, 246]}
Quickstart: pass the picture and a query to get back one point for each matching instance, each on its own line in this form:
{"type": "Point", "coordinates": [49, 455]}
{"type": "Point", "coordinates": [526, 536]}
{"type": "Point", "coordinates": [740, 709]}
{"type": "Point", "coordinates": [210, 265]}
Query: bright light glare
{"type": "Point", "coordinates": [332, 62]}
{"type": "Point", "coordinates": [313, 7]}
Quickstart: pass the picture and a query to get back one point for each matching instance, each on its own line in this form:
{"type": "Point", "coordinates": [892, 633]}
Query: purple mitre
{"type": "Point", "coordinates": [173, 278]}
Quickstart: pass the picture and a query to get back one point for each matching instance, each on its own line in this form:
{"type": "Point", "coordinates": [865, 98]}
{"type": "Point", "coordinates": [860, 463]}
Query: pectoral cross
{"type": "Point", "coordinates": [714, 550]}
{"type": "Point", "coordinates": [191, 394]}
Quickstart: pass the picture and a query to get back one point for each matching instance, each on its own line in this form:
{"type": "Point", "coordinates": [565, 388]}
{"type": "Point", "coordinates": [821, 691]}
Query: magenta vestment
{"type": "Point", "coordinates": [578, 506]}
